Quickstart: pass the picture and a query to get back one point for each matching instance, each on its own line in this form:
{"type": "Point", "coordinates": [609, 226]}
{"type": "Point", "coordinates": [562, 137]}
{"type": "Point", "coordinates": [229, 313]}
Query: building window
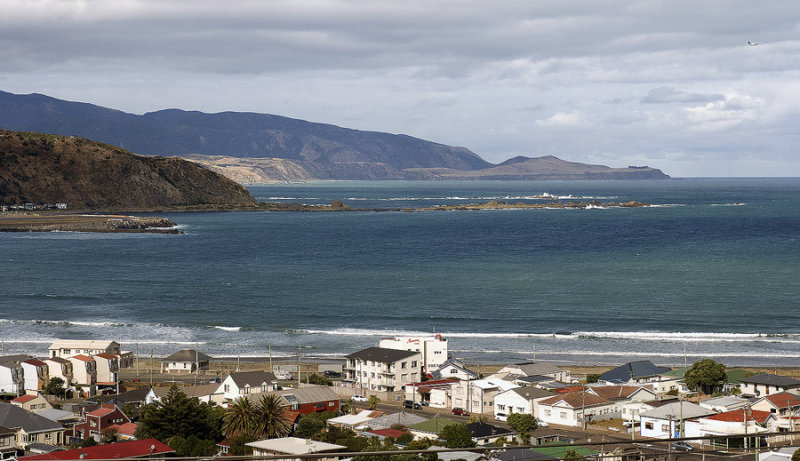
{"type": "Point", "coordinates": [403, 365]}
{"type": "Point", "coordinates": [501, 407]}
{"type": "Point", "coordinates": [547, 412]}
{"type": "Point", "coordinates": [227, 388]}
{"type": "Point", "coordinates": [665, 428]}
{"type": "Point", "coordinates": [648, 425]}
{"type": "Point", "coordinates": [563, 415]}
{"type": "Point", "coordinates": [413, 364]}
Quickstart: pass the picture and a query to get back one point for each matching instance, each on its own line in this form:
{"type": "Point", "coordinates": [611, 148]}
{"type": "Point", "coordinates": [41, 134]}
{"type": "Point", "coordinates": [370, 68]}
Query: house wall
{"type": "Point", "coordinates": [657, 428]}
{"type": "Point", "coordinates": [11, 381]}
{"type": "Point", "coordinates": [433, 350]}
{"type": "Point", "coordinates": [440, 398]}
{"type": "Point", "coordinates": [510, 402]}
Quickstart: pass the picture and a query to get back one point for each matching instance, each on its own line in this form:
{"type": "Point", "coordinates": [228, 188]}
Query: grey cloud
{"type": "Point", "coordinates": [663, 95]}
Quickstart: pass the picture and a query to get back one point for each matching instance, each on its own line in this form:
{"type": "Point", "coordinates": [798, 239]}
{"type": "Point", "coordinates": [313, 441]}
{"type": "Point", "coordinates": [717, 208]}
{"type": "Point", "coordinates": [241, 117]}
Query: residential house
{"type": "Point", "coordinates": [671, 381]}
{"type": "Point", "coordinates": [484, 434]}
{"type": "Point", "coordinates": [724, 403]}
{"type": "Point", "coordinates": [67, 419]}
{"type": "Point", "coordinates": [311, 399]}
{"type": "Point", "coordinates": [742, 421]}
{"type": "Point", "coordinates": [782, 404]}
{"type": "Point", "coordinates": [519, 400]}
{"type": "Point", "coordinates": [84, 374]}
{"type": "Point", "coordinates": [573, 408]}
{"type": "Point", "coordinates": [71, 347]}
{"type": "Point", "coordinates": [664, 422]}
{"type": "Point", "coordinates": [639, 372]}
{"type": "Point", "coordinates": [453, 368]}
{"type": "Point", "coordinates": [244, 383]}
{"type": "Point", "coordinates": [125, 431]}
{"type": "Point", "coordinates": [402, 418]}
{"type": "Point", "coordinates": [146, 448]}
{"type": "Point", "coordinates": [432, 349]}
{"type": "Point", "coordinates": [32, 402]}
{"type": "Point", "coordinates": [362, 418]}
{"type": "Point", "coordinates": [430, 429]}
{"type": "Point", "coordinates": [205, 393]}
{"type": "Point", "coordinates": [59, 368]}
{"type": "Point", "coordinates": [12, 378]}
{"type": "Point", "coordinates": [186, 361]}
{"type": "Point", "coordinates": [425, 392]}
{"type": "Point", "coordinates": [628, 401]}
{"type": "Point", "coordinates": [107, 369]}
{"type": "Point", "coordinates": [136, 397]}
{"type": "Point", "coordinates": [478, 396]}
{"type": "Point", "coordinates": [29, 427]}
{"type": "Point", "coordinates": [536, 368]}
{"type": "Point", "coordinates": [99, 420]}
{"type": "Point", "coordinates": [765, 384]}
{"type": "Point", "coordinates": [295, 446]}
{"type": "Point", "coordinates": [8, 443]}
{"type": "Point", "coordinates": [383, 370]}
{"type": "Point", "coordinates": [36, 374]}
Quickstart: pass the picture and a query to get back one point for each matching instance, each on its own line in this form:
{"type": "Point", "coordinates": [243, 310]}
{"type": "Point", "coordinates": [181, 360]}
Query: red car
{"type": "Point", "coordinates": [460, 411]}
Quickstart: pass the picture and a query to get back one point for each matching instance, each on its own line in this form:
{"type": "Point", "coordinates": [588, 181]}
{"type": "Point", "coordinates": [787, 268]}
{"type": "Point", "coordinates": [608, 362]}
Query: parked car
{"type": "Point", "coordinates": [331, 374]}
{"type": "Point", "coordinates": [460, 411]}
{"type": "Point", "coordinates": [424, 403]}
{"type": "Point", "coordinates": [501, 416]}
{"type": "Point", "coordinates": [359, 398]}
{"type": "Point", "coordinates": [541, 423]}
{"type": "Point", "coordinates": [410, 404]}
{"type": "Point", "coordinates": [682, 446]}
{"type": "Point", "coordinates": [284, 375]}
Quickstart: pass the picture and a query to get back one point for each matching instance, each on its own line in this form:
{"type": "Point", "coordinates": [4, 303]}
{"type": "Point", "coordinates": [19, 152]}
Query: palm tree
{"type": "Point", "coordinates": [270, 418]}
{"type": "Point", "coordinates": [240, 418]}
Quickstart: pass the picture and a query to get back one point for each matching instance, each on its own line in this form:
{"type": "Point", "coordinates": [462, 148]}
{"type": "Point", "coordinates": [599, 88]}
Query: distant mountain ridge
{"type": "Point", "coordinates": [281, 148]}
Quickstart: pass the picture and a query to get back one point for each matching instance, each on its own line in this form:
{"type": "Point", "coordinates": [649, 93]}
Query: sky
{"type": "Point", "coordinates": [669, 84]}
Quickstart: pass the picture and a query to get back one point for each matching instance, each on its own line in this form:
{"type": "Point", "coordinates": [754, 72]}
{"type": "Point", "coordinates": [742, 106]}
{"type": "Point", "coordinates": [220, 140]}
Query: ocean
{"type": "Point", "coordinates": [710, 269]}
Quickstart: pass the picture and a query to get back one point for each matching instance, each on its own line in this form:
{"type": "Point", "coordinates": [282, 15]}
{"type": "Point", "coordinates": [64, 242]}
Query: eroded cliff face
{"type": "Point", "coordinates": [253, 170]}
{"type": "Point", "coordinates": [40, 168]}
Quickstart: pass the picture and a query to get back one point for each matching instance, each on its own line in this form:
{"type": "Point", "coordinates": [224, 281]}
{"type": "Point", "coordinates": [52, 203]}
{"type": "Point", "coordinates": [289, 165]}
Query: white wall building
{"type": "Point", "coordinates": [433, 349]}
{"type": "Point", "coordinates": [383, 370]}
{"type": "Point", "coordinates": [519, 400]}
{"type": "Point", "coordinates": [478, 396]}
{"type": "Point", "coordinates": [244, 383]}
{"type": "Point", "coordinates": [71, 347]}
{"type": "Point", "coordinates": [664, 422]}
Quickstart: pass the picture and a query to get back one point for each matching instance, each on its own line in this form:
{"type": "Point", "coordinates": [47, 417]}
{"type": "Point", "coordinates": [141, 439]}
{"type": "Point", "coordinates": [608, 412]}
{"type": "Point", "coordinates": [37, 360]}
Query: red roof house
{"type": "Point", "coordinates": [131, 449]}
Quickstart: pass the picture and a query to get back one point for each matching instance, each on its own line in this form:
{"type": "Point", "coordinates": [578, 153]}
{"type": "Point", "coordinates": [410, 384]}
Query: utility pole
{"type": "Point", "coordinates": [299, 364]}
{"type": "Point", "coordinates": [137, 359]}
{"type": "Point", "coordinates": [196, 363]}
{"type": "Point", "coordinates": [270, 358]}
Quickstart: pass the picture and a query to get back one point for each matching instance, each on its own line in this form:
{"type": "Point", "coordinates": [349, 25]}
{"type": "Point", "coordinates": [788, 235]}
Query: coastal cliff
{"type": "Point", "coordinates": [39, 168]}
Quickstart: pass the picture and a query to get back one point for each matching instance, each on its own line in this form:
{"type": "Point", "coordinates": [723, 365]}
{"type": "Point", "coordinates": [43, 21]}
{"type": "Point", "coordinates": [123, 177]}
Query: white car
{"type": "Point", "coordinates": [359, 398]}
{"type": "Point", "coordinates": [541, 423]}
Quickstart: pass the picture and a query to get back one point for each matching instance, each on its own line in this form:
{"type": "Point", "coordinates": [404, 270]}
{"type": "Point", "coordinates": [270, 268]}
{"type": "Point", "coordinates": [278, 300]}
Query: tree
{"type": "Point", "coordinates": [592, 378]}
{"type": "Point", "coordinates": [55, 387]}
{"type": "Point", "coordinates": [373, 401]}
{"type": "Point", "coordinates": [456, 436]}
{"type": "Point", "coordinates": [309, 426]}
{"type": "Point", "coordinates": [239, 447]}
{"type": "Point", "coordinates": [523, 423]}
{"type": "Point", "coordinates": [571, 455]}
{"type": "Point", "coordinates": [796, 455]}
{"type": "Point", "coordinates": [318, 379]}
{"type": "Point", "coordinates": [177, 414]}
{"type": "Point", "coordinates": [240, 418]}
{"type": "Point", "coordinates": [270, 418]}
{"type": "Point", "coordinates": [705, 374]}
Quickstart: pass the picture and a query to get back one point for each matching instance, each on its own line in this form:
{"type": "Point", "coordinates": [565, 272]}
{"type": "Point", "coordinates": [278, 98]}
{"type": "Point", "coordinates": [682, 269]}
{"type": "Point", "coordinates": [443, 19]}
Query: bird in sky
{"type": "Point", "coordinates": [752, 43]}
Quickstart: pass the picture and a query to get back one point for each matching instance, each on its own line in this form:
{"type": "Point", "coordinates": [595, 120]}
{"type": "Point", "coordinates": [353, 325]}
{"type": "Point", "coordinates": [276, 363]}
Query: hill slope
{"type": "Point", "coordinates": [324, 151]}
{"type": "Point", "coordinates": [548, 167]}
{"type": "Point", "coordinates": [40, 168]}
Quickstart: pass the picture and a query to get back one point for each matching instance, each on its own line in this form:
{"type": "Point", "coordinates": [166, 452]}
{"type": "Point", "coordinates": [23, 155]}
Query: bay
{"type": "Point", "coordinates": [708, 271]}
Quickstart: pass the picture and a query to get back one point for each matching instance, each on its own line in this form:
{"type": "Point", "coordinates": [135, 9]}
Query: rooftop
{"type": "Point", "coordinates": [130, 449]}
{"type": "Point", "coordinates": [295, 446]}
{"type": "Point", "coordinates": [382, 355]}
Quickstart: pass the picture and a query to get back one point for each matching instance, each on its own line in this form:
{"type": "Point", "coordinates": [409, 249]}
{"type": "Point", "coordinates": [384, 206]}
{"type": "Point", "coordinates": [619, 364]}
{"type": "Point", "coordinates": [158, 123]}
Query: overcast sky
{"type": "Point", "coordinates": [670, 84]}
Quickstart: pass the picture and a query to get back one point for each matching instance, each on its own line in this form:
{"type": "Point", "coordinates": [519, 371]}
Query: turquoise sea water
{"type": "Point", "coordinates": [710, 270]}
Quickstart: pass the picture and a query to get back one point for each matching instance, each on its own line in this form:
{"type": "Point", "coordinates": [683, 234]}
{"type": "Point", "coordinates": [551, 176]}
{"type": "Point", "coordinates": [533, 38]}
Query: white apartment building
{"type": "Point", "coordinates": [382, 369]}
{"type": "Point", "coordinates": [433, 349]}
